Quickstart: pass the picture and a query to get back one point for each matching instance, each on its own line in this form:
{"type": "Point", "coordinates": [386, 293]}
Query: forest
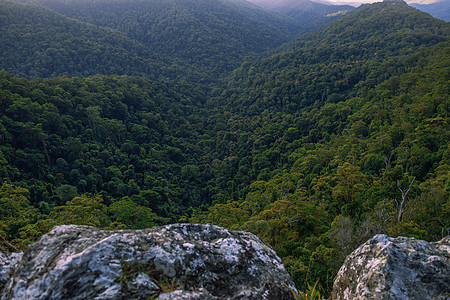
{"type": "Point", "coordinates": [314, 144]}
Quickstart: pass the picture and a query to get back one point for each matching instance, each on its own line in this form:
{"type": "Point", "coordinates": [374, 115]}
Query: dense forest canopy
{"type": "Point", "coordinates": [38, 42]}
{"type": "Point", "coordinates": [335, 63]}
{"type": "Point", "coordinates": [209, 37]}
{"type": "Point", "coordinates": [309, 15]}
{"type": "Point", "coordinates": [341, 134]}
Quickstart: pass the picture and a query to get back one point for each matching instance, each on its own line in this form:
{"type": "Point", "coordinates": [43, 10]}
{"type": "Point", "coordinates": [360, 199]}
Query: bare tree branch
{"type": "Point", "coordinates": [7, 244]}
{"type": "Point", "coordinates": [444, 228]}
{"type": "Point", "coordinates": [401, 208]}
{"type": "Point", "coordinates": [3, 250]}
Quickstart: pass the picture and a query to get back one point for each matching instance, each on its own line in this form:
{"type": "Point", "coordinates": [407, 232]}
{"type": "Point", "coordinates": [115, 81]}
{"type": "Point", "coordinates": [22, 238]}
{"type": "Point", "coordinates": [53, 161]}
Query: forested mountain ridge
{"type": "Point", "coordinates": [351, 126]}
{"type": "Point", "coordinates": [309, 15]}
{"type": "Point", "coordinates": [38, 42]}
{"type": "Point", "coordinates": [387, 24]}
{"type": "Point", "coordinates": [209, 36]}
{"type": "Point", "coordinates": [329, 65]}
{"type": "Point", "coordinates": [341, 135]}
{"type": "Point", "coordinates": [331, 176]}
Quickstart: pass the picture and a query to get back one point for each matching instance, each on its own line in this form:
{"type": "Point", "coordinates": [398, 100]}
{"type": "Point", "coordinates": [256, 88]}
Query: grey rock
{"type": "Point", "coordinates": [8, 264]}
{"type": "Point", "coordinates": [180, 261]}
{"type": "Point", "coordinates": [395, 268]}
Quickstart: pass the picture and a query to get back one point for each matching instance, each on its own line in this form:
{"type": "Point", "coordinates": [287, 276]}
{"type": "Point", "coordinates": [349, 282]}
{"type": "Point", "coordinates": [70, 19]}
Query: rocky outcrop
{"type": "Point", "coordinates": [187, 261]}
{"type": "Point", "coordinates": [7, 265]}
{"type": "Point", "coordinates": [395, 268]}
{"type": "Point", "coordinates": [180, 261]}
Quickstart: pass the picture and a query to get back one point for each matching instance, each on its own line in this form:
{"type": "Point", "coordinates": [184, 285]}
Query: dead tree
{"type": "Point", "coordinates": [402, 205]}
{"type": "Point", "coordinates": [8, 245]}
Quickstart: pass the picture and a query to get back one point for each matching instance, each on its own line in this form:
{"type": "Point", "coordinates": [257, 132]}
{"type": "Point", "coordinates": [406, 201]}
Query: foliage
{"type": "Point", "coordinates": [38, 42]}
{"type": "Point", "coordinates": [199, 39]}
{"type": "Point", "coordinates": [132, 215]}
{"type": "Point", "coordinates": [374, 163]}
{"type": "Point", "coordinates": [311, 16]}
{"type": "Point", "coordinates": [341, 136]}
{"type": "Point", "coordinates": [83, 210]}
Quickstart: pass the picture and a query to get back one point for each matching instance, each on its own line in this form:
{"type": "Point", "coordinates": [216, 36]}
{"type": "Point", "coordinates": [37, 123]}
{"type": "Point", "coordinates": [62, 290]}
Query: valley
{"type": "Point", "coordinates": [314, 136]}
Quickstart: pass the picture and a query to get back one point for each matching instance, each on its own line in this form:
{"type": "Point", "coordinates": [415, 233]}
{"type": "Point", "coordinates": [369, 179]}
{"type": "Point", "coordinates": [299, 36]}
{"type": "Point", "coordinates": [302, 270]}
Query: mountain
{"type": "Point", "coordinates": [333, 172]}
{"type": "Point", "coordinates": [440, 9]}
{"type": "Point", "coordinates": [346, 132]}
{"type": "Point", "coordinates": [327, 66]}
{"type": "Point", "coordinates": [211, 36]}
{"type": "Point", "coordinates": [384, 28]}
{"type": "Point", "coordinates": [342, 134]}
{"type": "Point", "coordinates": [38, 42]}
{"type": "Point", "coordinates": [309, 15]}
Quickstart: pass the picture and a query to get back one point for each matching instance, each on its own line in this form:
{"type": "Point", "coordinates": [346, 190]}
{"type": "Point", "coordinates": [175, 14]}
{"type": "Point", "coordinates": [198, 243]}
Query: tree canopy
{"type": "Point", "coordinates": [341, 135]}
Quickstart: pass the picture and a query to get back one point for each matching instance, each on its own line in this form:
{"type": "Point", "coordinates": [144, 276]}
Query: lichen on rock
{"type": "Point", "coordinates": [8, 263]}
{"type": "Point", "coordinates": [179, 261]}
{"type": "Point", "coordinates": [395, 268]}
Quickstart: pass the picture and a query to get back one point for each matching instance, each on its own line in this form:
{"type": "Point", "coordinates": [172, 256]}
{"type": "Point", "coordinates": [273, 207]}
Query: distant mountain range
{"type": "Point", "coordinates": [374, 32]}
{"type": "Point", "coordinates": [440, 9]}
{"type": "Point", "coordinates": [310, 15]}
{"type": "Point", "coordinates": [318, 10]}
{"type": "Point", "coordinates": [198, 36]}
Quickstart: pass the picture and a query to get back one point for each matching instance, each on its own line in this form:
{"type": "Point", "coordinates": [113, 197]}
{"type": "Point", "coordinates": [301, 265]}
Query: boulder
{"type": "Point", "coordinates": [179, 261]}
{"type": "Point", "coordinates": [7, 265]}
{"type": "Point", "coordinates": [395, 268]}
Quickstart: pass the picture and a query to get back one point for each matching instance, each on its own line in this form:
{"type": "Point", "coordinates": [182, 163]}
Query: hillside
{"type": "Point", "coordinates": [342, 134]}
{"type": "Point", "coordinates": [347, 134]}
{"type": "Point", "coordinates": [439, 9]}
{"type": "Point", "coordinates": [332, 175]}
{"type": "Point", "coordinates": [331, 65]}
{"type": "Point", "coordinates": [205, 35]}
{"type": "Point", "coordinates": [37, 42]}
{"type": "Point", "coordinates": [308, 15]}
{"type": "Point", "coordinates": [383, 29]}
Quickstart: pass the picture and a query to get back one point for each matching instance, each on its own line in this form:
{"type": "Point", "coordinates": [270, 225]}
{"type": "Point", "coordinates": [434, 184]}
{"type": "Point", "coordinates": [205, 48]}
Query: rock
{"type": "Point", "coordinates": [395, 268]}
{"type": "Point", "coordinates": [180, 261]}
{"type": "Point", "coordinates": [8, 263]}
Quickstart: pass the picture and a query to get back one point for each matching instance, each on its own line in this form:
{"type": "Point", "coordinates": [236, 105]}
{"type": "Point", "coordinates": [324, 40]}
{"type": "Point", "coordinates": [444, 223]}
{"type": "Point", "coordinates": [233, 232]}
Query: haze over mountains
{"type": "Point", "coordinates": [127, 114]}
{"type": "Point", "coordinates": [314, 10]}
{"type": "Point", "coordinates": [310, 15]}
{"type": "Point", "coordinates": [438, 9]}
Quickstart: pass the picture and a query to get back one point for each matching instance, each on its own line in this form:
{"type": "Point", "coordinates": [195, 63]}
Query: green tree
{"type": "Point", "coordinates": [15, 211]}
{"type": "Point", "coordinates": [66, 192]}
{"type": "Point", "coordinates": [86, 209]}
{"type": "Point", "coordinates": [134, 216]}
{"type": "Point", "coordinates": [350, 182]}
